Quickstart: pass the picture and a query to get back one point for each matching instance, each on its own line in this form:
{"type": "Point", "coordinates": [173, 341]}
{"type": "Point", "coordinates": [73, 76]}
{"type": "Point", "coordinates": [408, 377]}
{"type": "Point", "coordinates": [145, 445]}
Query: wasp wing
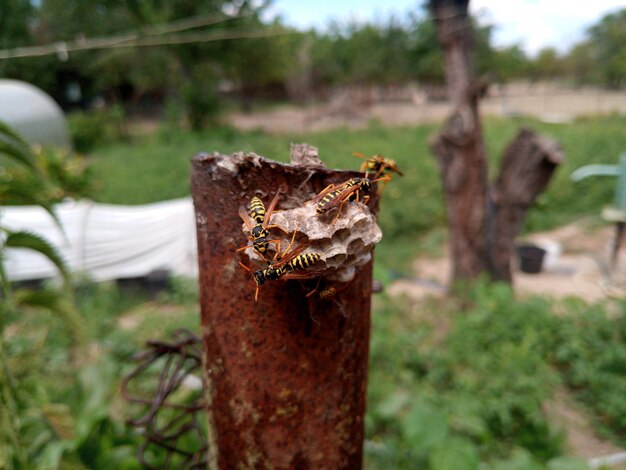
{"type": "Point", "coordinates": [326, 191]}
{"type": "Point", "coordinates": [292, 254]}
{"type": "Point", "coordinates": [341, 198]}
{"type": "Point", "coordinates": [245, 217]}
{"type": "Point", "coordinates": [270, 210]}
{"type": "Point", "coordinates": [303, 275]}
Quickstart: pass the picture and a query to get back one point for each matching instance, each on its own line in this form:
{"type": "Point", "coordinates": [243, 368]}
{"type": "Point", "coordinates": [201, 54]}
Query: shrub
{"type": "Point", "coordinates": [96, 127]}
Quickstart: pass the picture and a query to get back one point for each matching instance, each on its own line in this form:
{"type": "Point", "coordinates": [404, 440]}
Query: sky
{"type": "Point", "coordinates": [533, 24]}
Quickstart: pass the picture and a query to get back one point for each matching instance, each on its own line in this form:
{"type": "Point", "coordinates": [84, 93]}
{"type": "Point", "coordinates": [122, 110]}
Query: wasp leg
{"type": "Point", "coordinates": [269, 227]}
{"type": "Point", "coordinates": [243, 248]}
{"type": "Point", "coordinates": [256, 293]}
{"type": "Point", "coordinates": [339, 212]}
{"type": "Point", "coordinates": [342, 310]}
{"type": "Point", "coordinates": [278, 255]}
{"type": "Point", "coordinates": [316, 288]}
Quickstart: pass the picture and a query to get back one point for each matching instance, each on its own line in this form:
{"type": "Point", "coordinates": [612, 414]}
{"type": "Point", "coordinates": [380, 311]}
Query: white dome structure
{"type": "Point", "coordinates": [33, 114]}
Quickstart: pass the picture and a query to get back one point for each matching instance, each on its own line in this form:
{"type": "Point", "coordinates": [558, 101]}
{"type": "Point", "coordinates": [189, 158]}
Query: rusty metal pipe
{"type": "Point", "coordinates": [285, 376]}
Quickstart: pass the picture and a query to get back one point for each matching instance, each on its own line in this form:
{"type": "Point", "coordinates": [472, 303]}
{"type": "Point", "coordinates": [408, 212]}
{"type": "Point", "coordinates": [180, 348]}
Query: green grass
{"type": "Point", "coordinates": [473, 384]}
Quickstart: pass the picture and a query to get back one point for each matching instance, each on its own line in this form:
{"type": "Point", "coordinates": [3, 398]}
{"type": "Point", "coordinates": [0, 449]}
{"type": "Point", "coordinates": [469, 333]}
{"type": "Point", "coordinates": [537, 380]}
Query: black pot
{"type": "Point", "coordinates": [530, 258]}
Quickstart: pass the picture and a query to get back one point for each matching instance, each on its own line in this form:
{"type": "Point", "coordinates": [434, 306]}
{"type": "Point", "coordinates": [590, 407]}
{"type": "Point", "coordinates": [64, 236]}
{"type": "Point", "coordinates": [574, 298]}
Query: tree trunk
{"type": "Point", "coordinates": [482, 229]}
{"type": "Point", "coordinates": [527, 166]}
{"type": "Point", "coordinates": [459, 146]}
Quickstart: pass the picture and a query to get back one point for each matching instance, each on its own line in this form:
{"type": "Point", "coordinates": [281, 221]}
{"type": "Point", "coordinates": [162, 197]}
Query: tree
{"type": "Point", "coordinates": [483, 221]}
{"type": "Point", "coordinates": [548, 65]}
{"type": "Point", "coordinates": [608, 39]}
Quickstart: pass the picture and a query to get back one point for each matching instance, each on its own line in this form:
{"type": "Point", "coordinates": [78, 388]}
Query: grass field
{"type": "Point", "coordinates": [446, 390]}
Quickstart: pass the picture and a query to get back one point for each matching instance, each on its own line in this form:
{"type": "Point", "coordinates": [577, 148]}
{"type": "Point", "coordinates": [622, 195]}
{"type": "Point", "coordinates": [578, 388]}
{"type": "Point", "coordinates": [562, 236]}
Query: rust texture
{"type": "Point", "coordinates": [286, 376]}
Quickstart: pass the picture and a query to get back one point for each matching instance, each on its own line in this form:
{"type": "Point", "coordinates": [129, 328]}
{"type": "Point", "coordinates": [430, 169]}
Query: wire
{"type": "Point", "coordinates": [152, 36]}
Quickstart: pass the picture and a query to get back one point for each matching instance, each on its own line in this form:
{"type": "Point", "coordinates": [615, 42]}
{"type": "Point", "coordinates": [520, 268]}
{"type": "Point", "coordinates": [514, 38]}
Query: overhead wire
{"type": "Point", "coordinates": [165, 34]}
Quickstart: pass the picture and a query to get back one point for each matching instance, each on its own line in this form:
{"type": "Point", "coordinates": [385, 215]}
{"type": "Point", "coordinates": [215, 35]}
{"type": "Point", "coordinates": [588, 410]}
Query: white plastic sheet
{"type": "Point", "coordinates": [106, 241]}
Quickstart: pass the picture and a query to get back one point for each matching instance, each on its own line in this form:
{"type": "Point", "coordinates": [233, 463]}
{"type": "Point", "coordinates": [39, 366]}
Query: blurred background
{"type": "Point", "coordinates": [113, 98]}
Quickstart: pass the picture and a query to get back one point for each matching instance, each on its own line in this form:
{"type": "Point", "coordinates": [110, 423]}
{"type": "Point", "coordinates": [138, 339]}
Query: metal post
{"type": "Point", "coordinates": [286, 376]}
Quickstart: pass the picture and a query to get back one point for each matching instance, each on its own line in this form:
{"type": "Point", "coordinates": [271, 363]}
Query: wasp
{"type": "Point", "coordinates": [259, 231]}
{"type": "Point", "coordinates": [329, 293]}
{"type": "Point", "coordinates": [337, 195]}
{"type": "Point", "coordinates": [377, 164]}
{"type": "Point", "coordinates": [292, 261]}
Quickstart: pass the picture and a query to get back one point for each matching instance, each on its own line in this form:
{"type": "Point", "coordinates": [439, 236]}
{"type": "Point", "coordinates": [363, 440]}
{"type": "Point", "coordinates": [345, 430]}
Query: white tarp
{"type": "Point", "coordinates": [106, 241]}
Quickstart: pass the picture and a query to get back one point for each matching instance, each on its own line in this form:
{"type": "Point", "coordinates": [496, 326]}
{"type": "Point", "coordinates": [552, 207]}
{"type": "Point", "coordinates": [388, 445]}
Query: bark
{"type": "Point", "coordinates": [286, 376]}
{"type": "Point", "coordinates": [481, 231]}
{"type": "Point", "coordinates": [527, 166]}
{"type": "Point", "coordinates": [459, 146]}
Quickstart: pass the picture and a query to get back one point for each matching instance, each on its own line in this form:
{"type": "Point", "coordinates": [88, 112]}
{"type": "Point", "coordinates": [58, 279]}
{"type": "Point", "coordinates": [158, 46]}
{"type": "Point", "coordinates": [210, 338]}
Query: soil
{"type": "Point", "coordinates": [577, 264]}
{"type": "Point", "coordinates": [355, 108]}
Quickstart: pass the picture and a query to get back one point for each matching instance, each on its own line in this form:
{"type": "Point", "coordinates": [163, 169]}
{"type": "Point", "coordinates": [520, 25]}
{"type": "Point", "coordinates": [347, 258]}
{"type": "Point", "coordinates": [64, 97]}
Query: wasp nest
{"type": "Point", "coordinates": [344, 244]}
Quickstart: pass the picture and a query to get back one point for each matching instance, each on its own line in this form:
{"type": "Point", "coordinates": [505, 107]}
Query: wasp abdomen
{"type": "Point", "coordinates": [257, 210]}
{"type": "Point", "coordinates": [304, 261]}
{"type": "Point", "coordinates": [322, 206]}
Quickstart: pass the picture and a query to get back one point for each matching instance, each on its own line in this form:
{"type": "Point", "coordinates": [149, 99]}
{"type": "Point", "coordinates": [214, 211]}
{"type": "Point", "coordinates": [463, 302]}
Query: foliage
{"type": "Point", "coordinates": [96, 127]}
{"type": "Point", "coordinates": [608, 40]}
{"type": "Point", "coordinates": [592, 357]}
{"type": "Point", "coordinates": [200, 98]}
{"type": "Point", "coordinates": [70, 410]}
{"type": "Point", "coordinates": [387, 52]}
{"type": "Point", "coordinates": [20, 407]}
{"type": "Point", "coordinates": [475, 383]}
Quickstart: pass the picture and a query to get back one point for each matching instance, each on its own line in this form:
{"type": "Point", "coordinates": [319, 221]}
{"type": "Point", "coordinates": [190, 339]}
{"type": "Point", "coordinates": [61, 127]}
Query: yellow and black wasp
{"type": "Point", "coordinates": [294, 264]}
{"type": "Point", "coordinates": [377, 164]}
{"type": "Point", "coordinates": [328, 291]}
{"type": "Point", "coordinates": [334, 196]}
{"type": "Point", "coordinates": [259, 231]}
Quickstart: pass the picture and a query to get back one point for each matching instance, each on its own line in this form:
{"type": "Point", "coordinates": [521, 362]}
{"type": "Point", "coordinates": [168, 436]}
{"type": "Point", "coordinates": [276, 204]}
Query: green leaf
{"type": "Point", "coordinates": [12, 145]}
{"type": "Point", "coordinates": [454, 454]}
{"type": "Point", "coordinates": [58, 303]}
{"type": "Point", "coordinates": [60, 419]}
{"type": "Point", "coordinates": [98, 382]}
{"type": "Point", "coordinates": [424, 427]}
{"type": "Point", "coordinates": [50, 458]}
{"type": "Point", "coordinates": [392, 405]}
{"type": "Point", "coordinates": [520, 460]}
{"type": "Point", "coordinates": [32, 241]}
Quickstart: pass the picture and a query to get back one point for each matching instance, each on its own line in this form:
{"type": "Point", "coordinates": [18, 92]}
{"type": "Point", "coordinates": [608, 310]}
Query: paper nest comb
{"type": "Point", "coordinates": [343, 246]}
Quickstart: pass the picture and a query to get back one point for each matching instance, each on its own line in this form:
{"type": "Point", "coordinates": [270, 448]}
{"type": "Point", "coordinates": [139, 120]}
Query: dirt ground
{"type": "Point", "coordinates": [548, 102]}
{"type": "Point", "coordinates": [577, 264]}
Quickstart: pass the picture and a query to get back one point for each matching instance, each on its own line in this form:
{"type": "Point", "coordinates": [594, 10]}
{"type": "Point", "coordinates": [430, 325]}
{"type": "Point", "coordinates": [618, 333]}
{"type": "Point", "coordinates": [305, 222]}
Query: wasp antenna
{"type": "Point", "coordinates": [358, 155]}
{"type": "Point", "coordinates": [256, 293]}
